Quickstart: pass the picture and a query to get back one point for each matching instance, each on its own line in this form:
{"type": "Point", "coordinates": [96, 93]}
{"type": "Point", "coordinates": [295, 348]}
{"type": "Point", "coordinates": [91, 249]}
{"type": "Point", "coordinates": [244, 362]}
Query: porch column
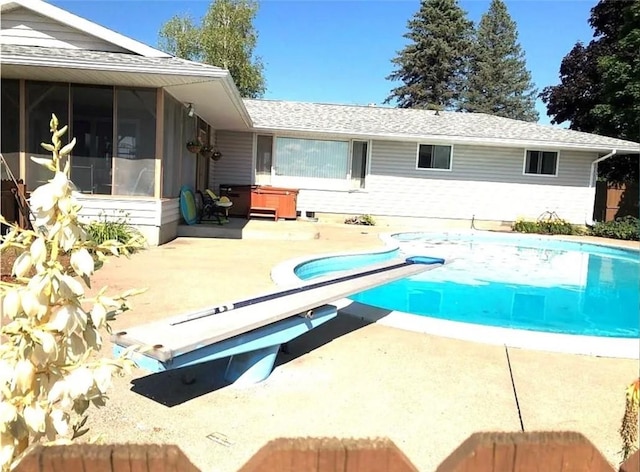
{"type": "Point", "coordinates": [157, 188]}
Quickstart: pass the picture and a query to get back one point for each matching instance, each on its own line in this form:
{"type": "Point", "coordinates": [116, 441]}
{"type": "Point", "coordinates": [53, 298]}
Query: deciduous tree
{"type": "Point", "coordinates": [225, 38]}
{"type": "Point", "coordinates": [599, 88]}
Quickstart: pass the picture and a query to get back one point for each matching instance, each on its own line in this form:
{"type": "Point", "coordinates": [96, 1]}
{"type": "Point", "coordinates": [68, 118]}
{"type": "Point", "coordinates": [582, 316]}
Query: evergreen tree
{"type": "Point", "coordinates": [226, 38]}
{"type": "Point", "coordinates": [498, 81]}
{"type": "Point", "coordinates": [432, 65]}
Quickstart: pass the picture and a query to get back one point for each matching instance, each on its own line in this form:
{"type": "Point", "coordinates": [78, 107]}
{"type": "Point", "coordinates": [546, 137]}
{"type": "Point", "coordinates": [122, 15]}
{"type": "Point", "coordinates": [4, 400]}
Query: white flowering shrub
{"type": "Point", "coordinates": [50, 332]}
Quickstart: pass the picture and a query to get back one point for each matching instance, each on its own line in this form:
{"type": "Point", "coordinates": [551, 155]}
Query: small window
{"type": "Point", "coordinates": [434, 157]}
{"type": "Point", "coordinates": [358, 163]}
{"type": "Point", "coordinates": [264, 147]}
{"type": "Point", "coordinates": [541, 162]}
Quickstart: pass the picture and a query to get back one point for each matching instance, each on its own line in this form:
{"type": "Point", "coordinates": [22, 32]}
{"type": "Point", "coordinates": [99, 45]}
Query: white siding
{"type": "Point", "coordinates": [236, 165]}
{"type": "Point", "coordinates": [484, 182]}
{"type": "Point", "coordinates": [25, 27]}
{"type": "Point", "coordinates": [156, 219]}
{"type": "Point", "coordinates": [170, 211]}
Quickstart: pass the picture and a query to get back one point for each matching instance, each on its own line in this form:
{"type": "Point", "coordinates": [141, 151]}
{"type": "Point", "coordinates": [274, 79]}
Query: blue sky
{"type": "Point", "coordinates": [340, 51]}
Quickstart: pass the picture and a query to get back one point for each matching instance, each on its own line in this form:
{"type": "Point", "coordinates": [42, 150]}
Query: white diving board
{"type": "Point", "coordinates": [251, 331]}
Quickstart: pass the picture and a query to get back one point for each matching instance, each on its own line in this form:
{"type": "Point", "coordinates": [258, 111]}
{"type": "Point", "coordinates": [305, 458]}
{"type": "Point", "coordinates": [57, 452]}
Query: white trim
{"type": "Point", "coordinates": [81, 24]}
{"type": "Point", "coordinates": [254, 157]}
{"type": "Point", "coordinates": [448, 139]}
{"type": "Point", "coordinates": [437, 169]}
{"type": "Point", "coordinates": [234, 94]}
{"type": "Point", "coordinates": [530, 174]}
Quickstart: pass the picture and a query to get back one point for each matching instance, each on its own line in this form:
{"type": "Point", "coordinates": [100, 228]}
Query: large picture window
{"type": "Point", "coordinates": [432, 156]}
{"type": "Point", "coordinates": [312, 158]}
{"type": "Point", "coordinates": [541, 163]}
{"type": "Point", "coordinates": [311, 163]}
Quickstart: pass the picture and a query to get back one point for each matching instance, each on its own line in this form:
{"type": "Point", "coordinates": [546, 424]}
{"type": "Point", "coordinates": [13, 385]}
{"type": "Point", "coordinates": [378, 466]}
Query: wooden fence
{"type": "Point", "coordinates": [615, 201]}
{"type": "Point", "coordinates": [13, 203]}
{"type": "Point", "coordinates": [481, 452]}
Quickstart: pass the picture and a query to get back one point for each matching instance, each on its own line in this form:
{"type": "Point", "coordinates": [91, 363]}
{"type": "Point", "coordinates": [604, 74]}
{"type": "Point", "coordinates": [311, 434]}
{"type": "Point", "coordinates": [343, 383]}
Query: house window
{"type": "Point", "coordinates": [312, 158]}
{"type": "Point", "coordinates": [359, 153]}
{"type": "Point", "coordinates": [311, 163]}
{"type": "Point", "coordinates": [115, 157]}
{"type": "Point", "coordinates": [264, 149]}
{"type": "Point", "coordinates": [431, 156]}
{"type": "Point", "coordinates": [92, 111]}
{"type": "Point", "coordinates": [135, 146]}
{"type": "Point", "coordinates": [43, 99]}
{"type": "Point", "coordinates": [541, 162]}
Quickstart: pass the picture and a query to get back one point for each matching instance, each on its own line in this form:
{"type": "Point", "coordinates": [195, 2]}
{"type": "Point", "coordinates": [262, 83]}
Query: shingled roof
{"type": "Point", "coordinates": [403, 123]}
{"type": "Point", "coordinates": [103, 60]}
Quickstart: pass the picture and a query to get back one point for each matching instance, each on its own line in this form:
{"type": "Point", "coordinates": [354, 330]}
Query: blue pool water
{"type": "Point", "coordinates": [509, 281]}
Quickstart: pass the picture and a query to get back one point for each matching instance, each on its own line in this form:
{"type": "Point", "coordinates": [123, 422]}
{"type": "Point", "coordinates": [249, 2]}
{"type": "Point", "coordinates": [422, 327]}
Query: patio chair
{"type": "Point", "coordinates": [205, 207]}
{"type": "Point", "coordinates": [220, 205]}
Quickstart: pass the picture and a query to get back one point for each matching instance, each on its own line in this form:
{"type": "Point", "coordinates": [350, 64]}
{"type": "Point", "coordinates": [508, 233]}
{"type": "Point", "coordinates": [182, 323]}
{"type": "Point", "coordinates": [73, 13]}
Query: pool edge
{"type": "Point", "coordinates": [599, 346]}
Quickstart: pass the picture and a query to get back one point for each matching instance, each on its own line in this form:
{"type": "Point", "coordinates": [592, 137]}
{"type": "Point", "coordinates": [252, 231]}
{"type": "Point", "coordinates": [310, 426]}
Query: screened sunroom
{"type": "Point", "coordinates": [130, 156]}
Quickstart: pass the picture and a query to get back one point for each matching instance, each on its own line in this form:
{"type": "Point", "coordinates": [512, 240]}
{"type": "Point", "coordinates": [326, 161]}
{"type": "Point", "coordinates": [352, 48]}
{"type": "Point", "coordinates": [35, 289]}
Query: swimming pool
{"type": "Point", "coordinates": [510, 281]}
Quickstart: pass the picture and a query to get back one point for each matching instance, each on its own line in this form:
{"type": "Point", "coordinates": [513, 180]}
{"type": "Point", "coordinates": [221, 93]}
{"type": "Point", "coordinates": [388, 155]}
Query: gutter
{"type": "Point", "coordinates": [592, 174]}
{"type": "Point", "coordinates": [592, 179]}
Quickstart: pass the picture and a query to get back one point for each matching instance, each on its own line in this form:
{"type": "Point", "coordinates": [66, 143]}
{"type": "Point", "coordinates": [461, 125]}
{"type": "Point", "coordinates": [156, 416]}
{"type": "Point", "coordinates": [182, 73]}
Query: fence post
{"type": "Point", "coordinates": [329, 455]}
{"type": "Point", "coordinates": [522, 452]}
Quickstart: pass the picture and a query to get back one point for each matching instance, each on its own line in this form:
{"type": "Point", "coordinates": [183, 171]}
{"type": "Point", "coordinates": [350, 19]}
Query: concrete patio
{"type": "Point", "coordinates": [347, 378]}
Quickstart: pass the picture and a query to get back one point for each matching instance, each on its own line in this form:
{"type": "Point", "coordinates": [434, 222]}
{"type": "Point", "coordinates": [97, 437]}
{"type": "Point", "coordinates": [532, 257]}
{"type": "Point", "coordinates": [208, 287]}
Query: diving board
{"type": "Point", "coordinates": [249, 332]}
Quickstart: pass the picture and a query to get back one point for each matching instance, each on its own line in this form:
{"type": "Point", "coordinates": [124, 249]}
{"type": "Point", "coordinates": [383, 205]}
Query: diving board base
{"type": "Point", "coordinates": [251, 367]}
{"type": "Point", "coordinates": [252, 355]}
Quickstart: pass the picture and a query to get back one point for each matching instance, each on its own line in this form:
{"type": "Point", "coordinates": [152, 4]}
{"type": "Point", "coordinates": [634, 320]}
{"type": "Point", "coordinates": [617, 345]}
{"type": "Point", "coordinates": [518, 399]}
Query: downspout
{"type": "Point", "coordinates": [592, 178]}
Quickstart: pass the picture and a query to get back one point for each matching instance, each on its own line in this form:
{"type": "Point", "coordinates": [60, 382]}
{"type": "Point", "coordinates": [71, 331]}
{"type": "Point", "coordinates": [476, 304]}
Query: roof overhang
{"type": "Point", "coordinates": [213, 94]}
{"type": "Point", "coordinates": [448, 139]}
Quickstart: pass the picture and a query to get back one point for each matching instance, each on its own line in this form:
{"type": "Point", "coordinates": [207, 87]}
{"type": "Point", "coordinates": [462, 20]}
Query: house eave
{"type": "Point", "coordinates": [451, 139]}
{"type": "Point", "coordinates": [26, 61]}
{"type": "Point", "coordinates": [215, 100]}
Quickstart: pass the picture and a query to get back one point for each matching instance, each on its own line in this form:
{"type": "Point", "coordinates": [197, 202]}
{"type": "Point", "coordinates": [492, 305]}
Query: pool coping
{"type": "Point", "coordinates": [628, 348]}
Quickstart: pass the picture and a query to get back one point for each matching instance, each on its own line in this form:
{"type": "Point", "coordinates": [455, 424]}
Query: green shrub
{"type": "Point", "coordinates": [117, 229]}
{"type": "Point", "coordinates": [548, 223]}
{"type": "Point", "coordinates": [366, 220]}
{"type": "Point", "coordinates": [622, 228]}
